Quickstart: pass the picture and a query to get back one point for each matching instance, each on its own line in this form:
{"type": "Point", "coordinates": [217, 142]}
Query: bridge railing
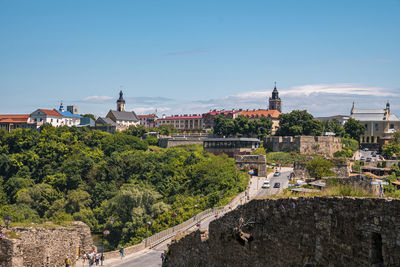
{"type": "Point", "coordinates": [166, 234]}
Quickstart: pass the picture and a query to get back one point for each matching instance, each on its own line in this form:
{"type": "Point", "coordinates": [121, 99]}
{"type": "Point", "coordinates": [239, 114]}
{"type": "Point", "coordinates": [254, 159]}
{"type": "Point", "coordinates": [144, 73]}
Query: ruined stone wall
{"type": "Point", "coordinates": [323, 145]}
{"type": "Point", "coordinates": [298, 232]}
{"type": "Point", "coordinates": [255, 162]}
{"type": "Point", "coordinates": [34, 246]}
{"type": "Point", "coordinates": [341, 169]}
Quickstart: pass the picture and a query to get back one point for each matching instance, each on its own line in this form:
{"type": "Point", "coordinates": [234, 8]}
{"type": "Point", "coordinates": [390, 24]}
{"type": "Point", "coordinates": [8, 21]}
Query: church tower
{"type": "Point", "coordinates": [275, 101]}
{"type": "Point", "coordinates": [120, 102]}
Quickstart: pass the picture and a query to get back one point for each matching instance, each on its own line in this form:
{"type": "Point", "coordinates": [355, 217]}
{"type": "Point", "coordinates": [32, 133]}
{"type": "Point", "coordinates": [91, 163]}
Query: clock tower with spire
{"type": "Point", "coordinates": [275, 101]}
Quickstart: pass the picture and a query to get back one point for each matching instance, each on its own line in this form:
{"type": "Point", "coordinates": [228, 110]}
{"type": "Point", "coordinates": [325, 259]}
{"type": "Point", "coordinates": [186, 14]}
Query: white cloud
{"type": "Point", "coordinates": [341, 89]}
{"type": "Point", "coordinates": [97, 98]}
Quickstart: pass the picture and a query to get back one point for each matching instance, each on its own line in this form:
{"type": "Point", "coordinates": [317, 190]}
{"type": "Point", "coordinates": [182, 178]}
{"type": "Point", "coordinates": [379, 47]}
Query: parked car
{"type": "Point", "coordinates": [277, 173]}
{"type": "Point", "coordinates": [374, 154]}
{"type": "Point", "coordinates": [365, 149]}
{"type": "Point", "coordinates": [277, 185]}
{"type": "Point", "coordinates": [368, 159]}
{"type": "Point", "coordinates": [362, 158]}
{"type": "Point", "coordinates": [265, 184]}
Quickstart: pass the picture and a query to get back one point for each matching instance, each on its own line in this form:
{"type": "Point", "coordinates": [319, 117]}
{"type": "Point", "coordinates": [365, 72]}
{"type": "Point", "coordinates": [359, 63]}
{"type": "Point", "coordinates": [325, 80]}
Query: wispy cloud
{"type": "Point", "coordinates": [97, 98]}
{"type": "Point", "coordinates": [146, 110]}
{"type": "Point", "coordinates": [148, 100]}
{"type": "Point", "coordinates": [190, 52]}
{"type": "Point", "coordinates": [341, 89]}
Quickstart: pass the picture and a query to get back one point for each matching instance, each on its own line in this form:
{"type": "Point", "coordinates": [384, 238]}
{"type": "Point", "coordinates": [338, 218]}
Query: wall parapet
{"type": "Point", "coordinates": [315, 231]}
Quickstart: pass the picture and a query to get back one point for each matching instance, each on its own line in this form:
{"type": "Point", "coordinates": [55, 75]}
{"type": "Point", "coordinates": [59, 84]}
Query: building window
{"type": "Point", "coordinates": [391, 126]}
{"type": "Point", "coordinates": [376, 127]}
{"type": "Point", "coordinates": [366, 126]}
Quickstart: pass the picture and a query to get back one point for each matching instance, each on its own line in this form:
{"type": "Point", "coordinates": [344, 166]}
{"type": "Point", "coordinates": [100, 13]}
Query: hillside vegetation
{"type": "Point", "coordinates": [63, 174]}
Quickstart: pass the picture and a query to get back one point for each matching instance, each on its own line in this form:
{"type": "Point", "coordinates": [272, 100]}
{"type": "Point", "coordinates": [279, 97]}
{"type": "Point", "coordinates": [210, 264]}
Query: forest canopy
{"type": "Point", "coordinates": [68, 173]}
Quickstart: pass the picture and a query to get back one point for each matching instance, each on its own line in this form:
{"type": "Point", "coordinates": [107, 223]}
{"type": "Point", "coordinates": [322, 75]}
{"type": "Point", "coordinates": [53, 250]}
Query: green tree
{"type": "Point", "coordinates": [223, 126]}
{"type": "Point", "coordinates": [89, 116]}
{"type": "Point", "coordinates": [298, 122]}
{"type": "Point", "coordinates": [319, 167]}
{"type": "Point", "coordinates": [334, 127]}
{"type": "Point", "coordinates": [39, 197]}
{"type": "Point", "coordinates": [354, 129]}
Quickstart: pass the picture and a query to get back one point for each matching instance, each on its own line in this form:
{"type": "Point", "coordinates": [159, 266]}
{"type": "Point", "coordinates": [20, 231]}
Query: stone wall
{"type": "Point", "coordinates": [323, 145]}
{"type": "Point", "coordinates": [255, 162]}
{"type": "Point", "coordinates": [298, 232]}
{"type": "Point", "coordinates": [341, 169]}
{"type": "Point", "coordinates": [35, 247]}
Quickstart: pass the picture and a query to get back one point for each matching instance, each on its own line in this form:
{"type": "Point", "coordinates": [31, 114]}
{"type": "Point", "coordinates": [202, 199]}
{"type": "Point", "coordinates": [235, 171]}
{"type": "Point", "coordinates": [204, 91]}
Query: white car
{"type": "Point", "coordinates": [266, 184]}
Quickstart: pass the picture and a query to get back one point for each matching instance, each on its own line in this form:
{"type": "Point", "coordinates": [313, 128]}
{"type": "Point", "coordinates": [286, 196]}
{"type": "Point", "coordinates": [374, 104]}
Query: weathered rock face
{"type": "Point", "coordinates": [298, 232]}
{"type": "Point", "coordinates": [44, 247]}
{"type": "Point", "coordinates": [341, 169]}
{"type": "Point", "coordinates": [323, 145]}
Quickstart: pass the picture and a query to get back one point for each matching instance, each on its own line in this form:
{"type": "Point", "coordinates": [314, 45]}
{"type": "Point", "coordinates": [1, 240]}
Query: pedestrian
{"type": "Point", "coordinates": [68, 262]}
{"type": "Point", "coordinates": [121, 252]}
{"type": "Point", "coordinates": [97, 259]}
{"type": "Point", "coordinates": [84, 258]}
{"type": "Point", "coordinates": [102, 258]}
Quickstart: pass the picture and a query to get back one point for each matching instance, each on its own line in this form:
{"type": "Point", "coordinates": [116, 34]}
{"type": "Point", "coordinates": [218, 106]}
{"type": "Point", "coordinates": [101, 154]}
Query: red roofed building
{"type": "Point", "coordinates": [183, 123]}
{"type": "Point", "coordinates": [14, 121]}
{"type": "Point", "coordinates": [50, 116]}
{"type": "Point", "coordinates": [259, 113]}
{"type": "Point", "coordinates": [148, 121]}
{"type": "Point", "coordinates": [208, 118]}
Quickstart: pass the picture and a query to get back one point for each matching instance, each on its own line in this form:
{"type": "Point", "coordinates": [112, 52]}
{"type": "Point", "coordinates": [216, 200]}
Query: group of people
{"type": "Point", "coordinates": [93, 258]}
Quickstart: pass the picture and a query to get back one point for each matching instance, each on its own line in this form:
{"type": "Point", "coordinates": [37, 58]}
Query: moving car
{"type": "Point", "coordinates": [374, 154]}
{"type": "Point", "coordinates": [277, 185]}
{"type": "Point", "coordinates": [266, 184]}
{"type": "Point", "coordinates": [277, 173]}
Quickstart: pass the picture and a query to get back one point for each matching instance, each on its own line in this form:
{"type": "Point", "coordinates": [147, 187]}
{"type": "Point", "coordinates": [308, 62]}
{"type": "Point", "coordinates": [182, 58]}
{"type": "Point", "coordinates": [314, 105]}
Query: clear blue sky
{"type": "Point", "coordinates": [190, 56]}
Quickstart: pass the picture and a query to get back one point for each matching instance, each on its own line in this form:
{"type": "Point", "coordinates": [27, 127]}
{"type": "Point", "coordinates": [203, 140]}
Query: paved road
{"type": "Point", "coordinates": [152, 257]}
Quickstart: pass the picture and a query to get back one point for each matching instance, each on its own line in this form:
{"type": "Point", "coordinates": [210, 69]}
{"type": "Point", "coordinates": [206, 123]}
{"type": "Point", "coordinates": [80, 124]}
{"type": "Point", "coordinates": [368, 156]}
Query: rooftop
{"type": "Point", "coordinates": [124, 115]}
{"type": "Point", "coordinates": [260, 113]}
{"type": "Point", "coordinates": [179, 117]}
{"type": "Point", "coordinates": [51, 112]}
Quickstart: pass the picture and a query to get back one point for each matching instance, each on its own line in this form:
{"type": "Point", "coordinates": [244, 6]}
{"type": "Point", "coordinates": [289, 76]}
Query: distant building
{"type": "Point", "coordinates": [341, 118]}
{"type": "Point", "coordinates": [49, 116]}
{"type": "Point", "coordinates": [86, 121]}
{"type": "Point", "coordinates": [14, 121]}
{"type": "Point", "coordinates": [69, 119]}
{"type": "Point", "coordinates": [183, 123]}
{"type": "Point", "coordinates": [380, 124]}
{"type": "Point", "coordinates": [73, 109]}
{"type": "Point", "coordinates": [123, 119]}
{"type": "Point", "coordinates": [105, 124]}
{"type": "Point", "coordinates": [231, 146]}
{"type": "Point", "coordinates": [258, 114]}
{"type": "Point", "coordinates": [148, 121]}
{"type": "Point", "coordinates": [208, 118]}
{"type": "Point", "coordinates": [275, 102]}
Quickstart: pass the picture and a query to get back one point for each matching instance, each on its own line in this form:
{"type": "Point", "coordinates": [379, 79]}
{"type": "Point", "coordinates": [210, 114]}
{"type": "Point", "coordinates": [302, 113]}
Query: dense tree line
{"type": "Point", "coordinates": [242, 126]}
{"type": "Point", "coordinates": [69, 173]}
{"type": "Point", "coordinates": [300, 122]}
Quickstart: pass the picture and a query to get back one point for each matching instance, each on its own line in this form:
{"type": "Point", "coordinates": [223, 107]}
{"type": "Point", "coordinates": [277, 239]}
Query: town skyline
{"type": "Point", "coordinates": [179, 57]}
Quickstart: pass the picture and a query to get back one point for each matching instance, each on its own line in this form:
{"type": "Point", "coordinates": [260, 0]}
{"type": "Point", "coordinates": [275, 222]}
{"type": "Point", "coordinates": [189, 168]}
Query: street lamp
{"type": "Point", "coordinates": [7, 220]}
{"type": "Point", "coordinates": [105, 233]}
